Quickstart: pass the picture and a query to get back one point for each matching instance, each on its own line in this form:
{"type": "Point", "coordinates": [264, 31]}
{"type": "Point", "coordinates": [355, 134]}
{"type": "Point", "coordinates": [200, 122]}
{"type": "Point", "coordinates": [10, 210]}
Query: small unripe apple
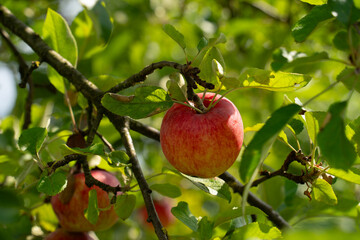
{"type": "Point", "coordinates": [61, 234]}
{"type": "Point", "coordinates": [163, 209]}
{"type": "Point", "coordinates": [202, 144]}
{"type": "Point", "coordinates": [71, 213]}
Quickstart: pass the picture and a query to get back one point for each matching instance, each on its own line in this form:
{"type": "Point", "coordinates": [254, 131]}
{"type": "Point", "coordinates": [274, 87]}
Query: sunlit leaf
{"type": "Point", "coordinates": [125, 205]}
{"type": "Point", "coordinates": [315, 2]}
{"type": "Point", "coordinates": [31, 139]}
{"type": "Point", "coordinates": [213, 186]}
{"type": "Point", "coordinates": [304, 27]}
{"type": "Point", "coordinates": [148, 101]}
{"type": "Point", "coordinates": [166, 189]}
{"type": "Point", "coordinates": [57, 33]}
{"type": "Point", "coordinates": [273, 81]}
{"type": "Point", "coordinates": [350, 175]}
{"type": "Point", "coordinates": [212, 42]}
{"type": "Point", "coordinates": [175, 35]}
{"type": "Point", "coordinates": [92, 212]}
{"type": "Point", "coordinates": [182, 212]}
{"type": "Point", "coordinates": [53, 184]}
{"type": "Point", "coordinates": [312, 126]}
{"type": "Point", "coordinates": [333, 143]}
{"type": "Point", "coordinates": [95, 149]}
{"type": "Point", "coordinates": [258, 231]}
{"type": "Point", "coordinates": [323, 192]}
{"type": "Point", "coordinates": [257, 149]}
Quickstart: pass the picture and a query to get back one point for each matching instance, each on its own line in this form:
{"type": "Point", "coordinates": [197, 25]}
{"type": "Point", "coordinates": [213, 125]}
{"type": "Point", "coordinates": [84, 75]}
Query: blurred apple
{"type": "Point", "coordinates": [163, 209]}
{"type": "Point", "coordinates": [202, 144]}
{"type": "Point", "coordinates": [70, 210]}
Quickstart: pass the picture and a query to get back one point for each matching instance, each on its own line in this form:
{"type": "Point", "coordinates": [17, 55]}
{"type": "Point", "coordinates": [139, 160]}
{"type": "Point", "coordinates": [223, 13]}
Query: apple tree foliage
{"type": "Point", "coordinates": [291, 68]}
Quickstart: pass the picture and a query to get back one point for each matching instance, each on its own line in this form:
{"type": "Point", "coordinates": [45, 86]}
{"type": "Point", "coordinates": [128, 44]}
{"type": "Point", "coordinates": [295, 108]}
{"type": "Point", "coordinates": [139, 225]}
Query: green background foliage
{"type": "Point", "coordinates": [277, 57]}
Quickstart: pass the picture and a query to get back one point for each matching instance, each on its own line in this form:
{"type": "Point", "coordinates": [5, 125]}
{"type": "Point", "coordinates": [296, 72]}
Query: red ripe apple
{"type": "Point", "coordinates": [163, 209]}
{"type": "Point", "coordinates": [202, 144]}
{"type": "Point", "coordinates": [71, 214]}
{"type": "Point", "coordinates": [61, 234]}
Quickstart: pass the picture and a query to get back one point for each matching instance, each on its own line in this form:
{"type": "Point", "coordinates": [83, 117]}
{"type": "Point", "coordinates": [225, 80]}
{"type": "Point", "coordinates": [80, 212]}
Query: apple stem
{"type": "Point", "coordinates": [188, 105]}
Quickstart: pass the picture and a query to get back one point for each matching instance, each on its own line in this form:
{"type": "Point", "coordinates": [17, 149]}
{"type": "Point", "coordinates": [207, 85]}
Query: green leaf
{"type": "Point", "coordinates": [31, 139]}
{"type": "Point", "coordinates": [124, 206]}
{"type": "Point", "coordinates": [10, 206]}
{"type": "Point", "coordinates": [182, 212]}
{"type": "Point", "coordinates": [57, 34]}
{"type": "Point", "coordinates": [118, 158]}
{"type": "Point", "coordinates": [213, 186]}
{"type": "Point", "coordinates": [273, 81]}
{"type": "Point", "coordinates": [296, 125]}
{"type": "Point", "coordinates": [285, 60]}
{"type": "Point", "coordinates": [148, 101]}
{"type": "Point", "coordinates": [315, 2]}
{"type": "Point", "coordinates": [323, 192]}
{"type": "Point", "coordinates": [206, 66]}
{"type": "Point", "coordinates": [105, 82]}
{"type": "Point", "coordinates": [175, 35]}
{"type": "Point", "coordinates": [257, 230]}
{"type": "Point", "coordinates": [353, 133]}
{"type": "Point", "coordinates": [349, 78]}
{"type": "Point", "coordinates": [350, 175]}
{"type": "Point", "coordinates": [53, 184]}
{"type": "Point", "coordinates": [95, 149]}
{"type": "Point", "coordinates": [92, 212]}
{"type": "Point", "coordinates": [257, 149]}
{"type": "Point", "coordinates": [333, 143]}
{"type": "Point", "coordinates": [304, 27]}
{"type": "Point", "coordinates": [167, 189]}
{"type": "Point", "coordinates": [202, 43]}
{"type": "Point", "coordinates": [233, 213]}
{"type": "Point", "coordinates": [102, 21]}
{"type": "Point", "coordinates": [177, 87]}
{"type": "Point", "coordinates": [357, 3]}
{"type": "Point", "coordinates": [312, 126]}
{"type": "Point", "coordinates": [344, 11]}
{"type": "Point", "coordinates": [205, 228]}
{"type": "Point", "coordinates": [212, 42]}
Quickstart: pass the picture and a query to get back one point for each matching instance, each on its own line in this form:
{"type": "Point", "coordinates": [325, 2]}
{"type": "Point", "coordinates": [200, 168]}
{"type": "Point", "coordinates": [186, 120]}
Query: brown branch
{"type": "Point", "coordinates": [141, 76]}
{"type": "Point", "coordinates": [67, 159]}
{"type": "Point", "coordinates": [253, 200]}
{"type": "Point", "coordinates": [123, 128]}
{"type": "Point", "coordinates": [292, 157]}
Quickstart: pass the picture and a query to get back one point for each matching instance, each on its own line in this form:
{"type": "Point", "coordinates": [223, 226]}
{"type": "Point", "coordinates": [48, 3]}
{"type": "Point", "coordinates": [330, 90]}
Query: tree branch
{"type": "Point", "coordinates": [141, 76]}
{"type": "Point", "coordinates": [123, 128]}
{"type": "Point", "coordinates": [253, 200]}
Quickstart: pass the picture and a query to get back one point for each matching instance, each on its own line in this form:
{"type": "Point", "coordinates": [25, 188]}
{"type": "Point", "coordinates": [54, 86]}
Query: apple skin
{"type": "Point", "coordinates": [202, 145]}
{"type": "Point", "coordinates": [71, 214]}
{"type": "Point", "coordinates": [163, 209]}
{"type": "Point", "coordinates": [61, 234]}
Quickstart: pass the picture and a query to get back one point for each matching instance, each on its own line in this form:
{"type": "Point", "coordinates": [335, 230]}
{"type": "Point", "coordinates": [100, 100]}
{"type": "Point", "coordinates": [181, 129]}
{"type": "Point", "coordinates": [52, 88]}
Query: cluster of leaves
{"type": "Point", "coordinates": [330, 141]}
